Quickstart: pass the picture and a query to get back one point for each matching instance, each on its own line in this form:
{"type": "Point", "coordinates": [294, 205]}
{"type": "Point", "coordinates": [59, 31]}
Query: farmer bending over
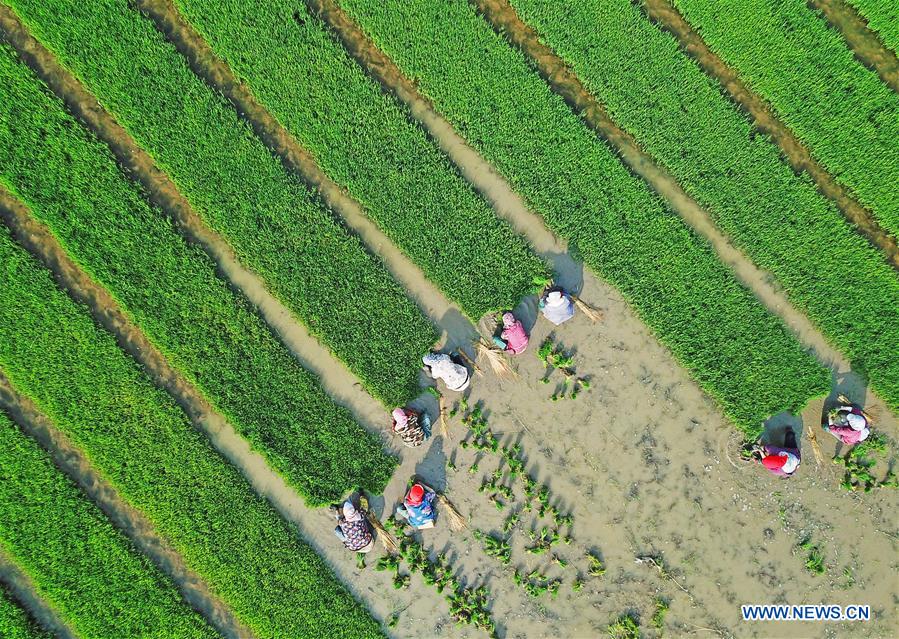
{"type": "Point", "coordinates": [782, 461]}
{"type": "Point", "coordinates": [513, 339]}
{"type": "Point", "coordinates": [352, 529]}
{"type": "Point", "coordinates": [440, 366]}
{"type": "Point", "coordinates": [417, 507]}
{"type": "Point", "coordinates": [557, 306]}
{"type": "Point", "coordinates": [848, 424]}
{"type": "Point", "coordinates": [412, 427]}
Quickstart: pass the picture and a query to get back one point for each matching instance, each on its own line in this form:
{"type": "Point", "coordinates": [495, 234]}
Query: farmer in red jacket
{"type": "Point", "coordinates": [783, 462]}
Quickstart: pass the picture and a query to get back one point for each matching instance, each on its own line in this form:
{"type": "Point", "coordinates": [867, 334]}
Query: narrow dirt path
{"type": "Point", "coordinates": [797, 154]}
{"type": "Point", "coordinates": [296, 159]}
{"type": "Point", "coordinates": [313, 526]}
{"type": "Point", "coordinates": [336, 378]}
{"type": "Point", "coordinates": [864, 43]}
{"type": "Point", "coordinates": [564, 82]}
{"type": "Point", "coordinates": [474, 168]}
{"type": "Point", "coordinates": [127, 518]}
{"type": "Point", "coordinates": [23, 591]}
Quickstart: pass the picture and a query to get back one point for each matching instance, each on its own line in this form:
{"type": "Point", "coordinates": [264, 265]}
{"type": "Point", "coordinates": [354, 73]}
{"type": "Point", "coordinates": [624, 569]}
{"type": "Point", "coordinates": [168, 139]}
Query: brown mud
{"type": "Point", "coordinates": [647, 465]}
{"type": "Point", "coordinates": [128, 519]}
{"type": "Point", "coordinates": [24, 592]}
{"type": "Point", "coordinates": [298, 160]}
{"type": "Point", "coordinates": [763, 117]}
{"type": "Point", "coordinates": [474, 168]}
{"type": "Point", "coordinates": [334, 376]}
{"type": "Point", "coordinates": [863, 42]}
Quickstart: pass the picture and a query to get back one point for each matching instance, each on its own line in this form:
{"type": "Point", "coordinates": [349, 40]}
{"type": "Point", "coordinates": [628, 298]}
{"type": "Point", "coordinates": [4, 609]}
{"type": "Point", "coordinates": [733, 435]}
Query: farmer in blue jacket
{"type": "Point", "coordinates": [417, 507]}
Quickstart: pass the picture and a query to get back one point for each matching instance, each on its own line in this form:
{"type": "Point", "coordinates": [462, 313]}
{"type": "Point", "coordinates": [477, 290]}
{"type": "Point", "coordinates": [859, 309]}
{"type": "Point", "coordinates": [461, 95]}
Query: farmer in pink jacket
{"type": "Point", "coordinates": [513, 340]}
{"type": "Point", "coordinates": [848, 424]}
{"type": "Point", "coordinates": [783, 462]}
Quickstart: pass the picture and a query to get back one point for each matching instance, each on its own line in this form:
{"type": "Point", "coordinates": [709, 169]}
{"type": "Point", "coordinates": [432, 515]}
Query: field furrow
{"type": "Point", "coordinates": [277, 226]}
{"type": "Point", "coordinates": [778, 218]}
{"type": "Point", "coordinates": [15, 623]}
{"type": "Point", "coordinates": [79, 562]}
{"type": "Point", "coordinates": [146, 447]}
{"type": "Point", "coordinates": [848, 118]}
{"type": "Point", "coordinates": [882, 18]}
{"type": "Point", "coordinates": [737, 350]}
{"type": "Point", "coordinates": [170, 287]}
{"type": "Point", "coordinates": [366, 142]}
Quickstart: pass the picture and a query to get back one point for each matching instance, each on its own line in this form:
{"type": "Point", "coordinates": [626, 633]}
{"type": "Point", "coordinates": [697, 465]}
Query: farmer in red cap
{"type": "Point", "coordinates": [783, 462]}
{"type": "Point", "coordinates": [417, 508]}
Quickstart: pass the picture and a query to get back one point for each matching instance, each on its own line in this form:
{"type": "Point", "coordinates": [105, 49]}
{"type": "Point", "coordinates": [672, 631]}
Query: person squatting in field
{"type": "Point", "coordinates": [417, 507]}
{"type": "Point", "coordinates": [440, 366]}
{"type": "Point", "coordinates": [848, 424]}
{"type": "Point", "coordinates": [412, 427]}
{"type": "Point", "coordinates": [557, 306]}
{"type": "Point", "coordinates": [782, 461]}
{"type": "Point", "coordinates": [352, 529]}
{"type": "Point", "coordinates": [513, 339]}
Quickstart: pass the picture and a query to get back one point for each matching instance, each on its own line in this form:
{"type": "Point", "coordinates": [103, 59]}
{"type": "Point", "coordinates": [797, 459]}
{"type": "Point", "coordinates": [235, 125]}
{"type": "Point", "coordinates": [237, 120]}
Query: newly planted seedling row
{"type": "Point", "coordinates": [148, 449]}
{"type": "Point", "coordinates": [367, 142]}
{"type": "Point", "coordinates": [741, 354]}
{"type": "Point", "coordinates": [171, 289]}
{"type": "Point", "coordinates": [276, 224]}
{"type": "Point", "coordinates": [679, 116]}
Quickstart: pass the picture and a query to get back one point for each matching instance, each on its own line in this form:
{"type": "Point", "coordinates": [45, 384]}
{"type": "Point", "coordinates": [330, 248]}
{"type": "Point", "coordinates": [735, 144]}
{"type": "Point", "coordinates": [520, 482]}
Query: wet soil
{"type": "Point", "coordinates": [764, 119]}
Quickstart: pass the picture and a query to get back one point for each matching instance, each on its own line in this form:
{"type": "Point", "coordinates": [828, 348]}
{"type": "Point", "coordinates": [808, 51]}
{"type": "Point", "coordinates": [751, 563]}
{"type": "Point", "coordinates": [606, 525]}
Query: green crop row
{"type": "Point", "coordinates": [15, 622]}
{"type": "Point", "coordinates": [739, 352]}
{"type": "Point", "coordinates": [847, 117]}
{"type": "Point", "coordinates": [79, 562]}
{"type": "Point", "coordinates": [277, 226]}
{"type": "Point", "coordinates": [146, 447]}
{"type": "Point", "coordinates": [364, 140]}
{"type": "Point", "coordinates": [882, 18]}
{"type": "Point", "coordinates": [208, 331]}
{"type": "Point", "coordinates": [679, 116]}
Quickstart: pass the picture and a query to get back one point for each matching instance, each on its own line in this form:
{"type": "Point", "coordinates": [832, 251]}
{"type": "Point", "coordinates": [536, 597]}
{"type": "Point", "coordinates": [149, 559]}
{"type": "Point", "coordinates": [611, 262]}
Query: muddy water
{"type": "Point", "coordinates": [865, 44]}
{"type": "Point", "coordinates": [795, 152]}
{"type": "Point", "coordinates": [649, 467]}
{"type": "Point", "coordinates": [133, 523]}
{"type": "Point", "coordinates": [23, 591]}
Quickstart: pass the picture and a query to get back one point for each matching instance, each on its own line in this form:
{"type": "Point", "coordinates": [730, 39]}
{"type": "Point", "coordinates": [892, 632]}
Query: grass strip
{"type": "Point", "coordinates": [148, 450]}
{"type": "Point", "coordinates": [277, 226]}
{"type": "Point", "coordinates": [208, 331]}
{"type": "Point", "coordinates": [365, 140]}
{"type": "Point", "coordinates": [79, 562]}
{"type": "Point", "coordinates": [679, 116]}
{"type": "Point", "coordinates": [740, 353]}
{"type": "Point", "coordinates": [847, 117]}
{"type": "Point", "coordinates": [15, 622]}
{"type": "Point", "coordinates": [882, 18]}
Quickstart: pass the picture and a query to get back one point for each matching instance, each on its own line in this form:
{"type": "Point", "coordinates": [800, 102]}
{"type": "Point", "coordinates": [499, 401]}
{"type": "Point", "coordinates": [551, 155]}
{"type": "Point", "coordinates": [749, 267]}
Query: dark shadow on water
{"type": "Point", "coordinates": [775, 429]}
{"type": "Point", "coordinates": [432, 468]}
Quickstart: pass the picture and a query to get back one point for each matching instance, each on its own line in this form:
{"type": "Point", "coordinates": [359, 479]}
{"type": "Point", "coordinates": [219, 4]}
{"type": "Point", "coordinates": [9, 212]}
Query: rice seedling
{"type": "Point", "coordinates": [625, 627]}
{"type": "Point", "coordinates": [597, 568]}
{"type": "Point", "coordinates": [495, 546]}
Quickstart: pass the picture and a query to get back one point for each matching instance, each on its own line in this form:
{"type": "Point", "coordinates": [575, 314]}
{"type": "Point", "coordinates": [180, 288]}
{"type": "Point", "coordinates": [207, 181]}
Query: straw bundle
{"type": "Point", "coordinates": [470, 362]}
{"type": "Point", "coordinates": [813, 438]}
{"type": "Point", "coordinates": [456, 521]}
{"type": "Point", "coordinates": [593, 314]}
{"type": "Point", "coordinates": [386, 538]}
{"type": "Point", "coordinates": [498, 362]}
{"type": "Point", "coordinates": [444, 430]}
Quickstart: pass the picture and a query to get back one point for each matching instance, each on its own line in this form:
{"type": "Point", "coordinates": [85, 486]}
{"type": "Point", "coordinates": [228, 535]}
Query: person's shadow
{"type": "Point", "coordinates": [776, 428]}
{"type": "Point", "coordinates": [432, 467]}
